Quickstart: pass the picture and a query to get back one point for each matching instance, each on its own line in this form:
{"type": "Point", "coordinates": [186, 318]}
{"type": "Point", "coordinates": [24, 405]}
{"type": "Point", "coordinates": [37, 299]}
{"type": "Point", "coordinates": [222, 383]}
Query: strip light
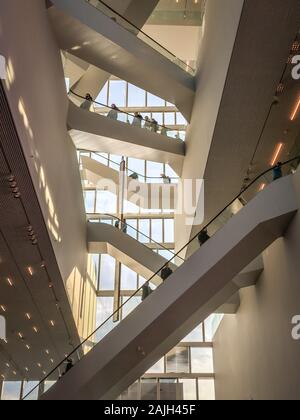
{"type": "Point", "coordinates": [277, 153]}
{"type": "Point", "coordinates": [295, 111]}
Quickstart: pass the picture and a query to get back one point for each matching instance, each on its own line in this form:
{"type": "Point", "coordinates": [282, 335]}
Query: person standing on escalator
{"type": "Point", "coordinates": [87, 103]}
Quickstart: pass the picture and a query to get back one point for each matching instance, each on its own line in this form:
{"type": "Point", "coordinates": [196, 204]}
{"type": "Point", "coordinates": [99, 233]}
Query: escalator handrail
{"type": "Point", "coordinates": [121, 112]}
{"type": "Point", "coordinates": [111, 216]}
{"type": "Point", "coordinates": [118, 164]}
{"type": "Point", "coordinates": [191, 69]}
{"type": "Point", "coordinates": [244, 189]}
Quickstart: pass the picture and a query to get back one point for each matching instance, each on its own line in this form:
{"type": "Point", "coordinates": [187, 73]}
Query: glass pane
{"type": "Point", "coordinates": [117, 93]}
{"type": "Point", "coordinates": [202, 360]}
{"type": "Point", "coordinates": [178, 360]}
{"type": "Point", "coordinates": [128, 279]}
{"type": "Point", "coordinates": [169, 118]}
{"type": "Point", "coordinates": [180, 120]}
{"type": "Point", "coordinates": [206, 389]}
{"type": "Point", "coordinates": [154, 169]}
{"type": "Point", "coordinates": [105, 307]}
{"type": "Point", "coordinates": [28, 387]}
{"type": "Point", "coordinates": [189, 389]}
{"type": "Point", "coordinates": [153, 100]}
{"type": "Point", "coordinates": [89, 199]}
{"type": "Point", "coordinates": [115, 161]}
{"type": "Point", "coordinates": [136, 96]}
{"type": "Point", "coordinates": [129, 305]}
{"type": "Point", "coordinates": [137, 166]}
{"type": "Point", "coordinates": [132, 231]}
{"type": "Point", "coordinates": [11, 391]}
{"type": "Point", "coordinates": [159, 367]}
{"type": "Point", "coordinates": [168, 390]}
{"type": "Point", "coordinates": [211, 325]}
{"type": "Point", "coordinates": [101, 158]}
{"type": "Point", "coordinates": [149, 389]}
{"type": "Point", "coordinates": [195, 336]}
{"type": "Point", "coordinates": [157, 226]}
{"type": "Point", "coordinates": [48, 385]}
{"type": "Point", "coordinates": [169, 230]}
{"type": "Point", "coordinates": [107, 272]}
{"type": "Point", "coordinates": [102, 97]}
{"type": "Point", "coordinates": [131, 394]}
{"type": "Point", "coordinates": [106, 202]}
{"type": "Point", "coordinates": [144, 228]}
{"type": "Point", "coordinates": [158, 116]}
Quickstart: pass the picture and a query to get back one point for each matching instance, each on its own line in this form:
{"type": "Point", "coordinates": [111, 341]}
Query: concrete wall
{"type": "Point", "coordinates": [219, 33]}
{"type": "Point", "coordinates": [37, 96]}
{"type": "Point", "coordinates": [255, 355]}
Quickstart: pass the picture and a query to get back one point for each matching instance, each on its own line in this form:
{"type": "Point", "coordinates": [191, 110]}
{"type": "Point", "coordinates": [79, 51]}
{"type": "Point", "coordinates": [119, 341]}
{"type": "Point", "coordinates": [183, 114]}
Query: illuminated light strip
{"type": "Point", "coordinates": [295, 112]}
{"type": "Point", "coordinates": [262, 187]}
{"type": "Point", "coordinates": [277, 153]}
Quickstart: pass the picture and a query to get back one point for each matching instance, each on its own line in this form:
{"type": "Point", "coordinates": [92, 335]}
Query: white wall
{"type": "Point", "coordinates": [37, 96]}
{"type": "Point", "coordinates": [255, 355]}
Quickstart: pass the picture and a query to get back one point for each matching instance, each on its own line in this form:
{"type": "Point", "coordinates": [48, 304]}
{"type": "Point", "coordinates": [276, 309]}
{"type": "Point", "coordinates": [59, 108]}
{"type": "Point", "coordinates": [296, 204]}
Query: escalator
{"type": "Point", "coordinates": [121, 135]}
{"type": "Point", "coordinates": [99, 35]}
{"type": "Point", "coordinates": [121, 354]}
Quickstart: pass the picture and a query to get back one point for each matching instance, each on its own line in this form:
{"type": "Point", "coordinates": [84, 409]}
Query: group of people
{"type": "Point", "coordinates": [150, 123]}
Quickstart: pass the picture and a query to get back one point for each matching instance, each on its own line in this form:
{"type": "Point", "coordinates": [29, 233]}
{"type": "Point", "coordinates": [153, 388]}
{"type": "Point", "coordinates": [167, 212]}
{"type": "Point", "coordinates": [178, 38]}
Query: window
{"type": "Point", "coordinates": [105, 307]}
{"type": "Point", "coordinates": [149, 389]}
{"type": "Point", "coordinates": [195, 336]}
{"type": "Point", "coordinates": [180, 120]}
{"type": "Point", "coordinates": [117, 93]}
{"type": "Point", "coordinates": [156, 230]}
{"type": "Point", "coordinates": [206, 389]}
{"type": "Point", "coordinates": [107, 272]}
{"type": "Point", "coordinates": [89, 199]}
{"type": "Point", "coordinates": [202, 360]}
{"type": "Point", "coordinates": [153, 100]}
{"type": "Point", "coordinates": [11, 391]}
{"type": "Point", "coordinates": [178, 360]}
{"type": "Point", "coordinates": [129, 305]}
{"type": "Point", "coordinates": [132, 228]}
{"type": "Point", "coordinates": [136, 96]}
{"type": "Point", "coordinates": [169, 231]}
{"type": "Point", "coordinates": [28, 388]}
{"type": "Point", "coordinates": [128, 279]}
{"type": "Point", "coordinates": [189, 389]}
{"type": "Point", "coordinates": [106, 202]}
{"type": "Point", "coordinates": [102, 97]}
{"type": "Point", "coordinates": [169, 118]}
{"type": "Point", "coordinates": [144, 228]}
{"type": "Point", "coordinates": [159, 367]}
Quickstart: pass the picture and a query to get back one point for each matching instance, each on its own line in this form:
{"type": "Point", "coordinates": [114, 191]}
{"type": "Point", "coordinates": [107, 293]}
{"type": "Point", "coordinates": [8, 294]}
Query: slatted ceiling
{"type": "Point", "coordinates": [30, 294]}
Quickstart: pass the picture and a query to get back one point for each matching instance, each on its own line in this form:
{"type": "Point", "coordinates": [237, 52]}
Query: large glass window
{"type": "Point", "coordinates": [206, 389]}
{"type": "Point", "coordinates": [107, 272]}
{"type": "Point", "coordinates": [189, 389]}
{"type": "Point", "coordinates": [102, 97]}
{"type": "Point", "coordinates": [153, 100]}
{"type": "Point", "coordinates": [89, 198]}
{"type": "Point", "coordinates": [106, 202]}
{"type": "Point", "coordinates": [117, 93]}
{"type": "Point", "coordinates": [104, 311]}
{"type": "Point", "coordinates": [178, 360]}
{"type": "Point", "coordinates": [144, 228]}
{"type": "Point", "coordinates": [156, 230]}
{"type": "Point", "coordinates": [128, 279]}
{"type": "Point", "coordinates": [11, 391]}
{"type": "Point", "coordinates": [136, 96]}
{"type": "Point", "coordinates": [169, 231]}
{"type": "Point", "coordinates": [202, 360]}
{"type": "Point", "coordinates": [28, 388]}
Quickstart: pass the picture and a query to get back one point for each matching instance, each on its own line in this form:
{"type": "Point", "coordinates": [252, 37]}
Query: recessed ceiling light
{"type": "Point", "coordinates": [35, 329]}
{"type": "Point", "coordinates": [3, 308]}
{"type": "Point", "coordinates": [15, 373]}
{"type": "Point", "coordinates": [28, 316]}
{"type": "Point", "coordinates": [39, 365]}
{"type": "Point", "coordinates": [3, 377]}
{"type": "Point", "coordinates": [9, 281]}
{"type": "Point", "coordinates": [20, 335]}
{"type": "Point", "coordinates": [26, 369]}
{"type": "Point", "coordinates": [52, 361]}
{"type": "Point", "coordinates": [7, 365]}
{"type": "Point", "coordinates": [28, 346]}
{"type": "Point", "coordinates": [52, 323]}
{"type": "Point", "coordinates": [47, 352]}
{"type": "Point", "coordinates": [30, 271]}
